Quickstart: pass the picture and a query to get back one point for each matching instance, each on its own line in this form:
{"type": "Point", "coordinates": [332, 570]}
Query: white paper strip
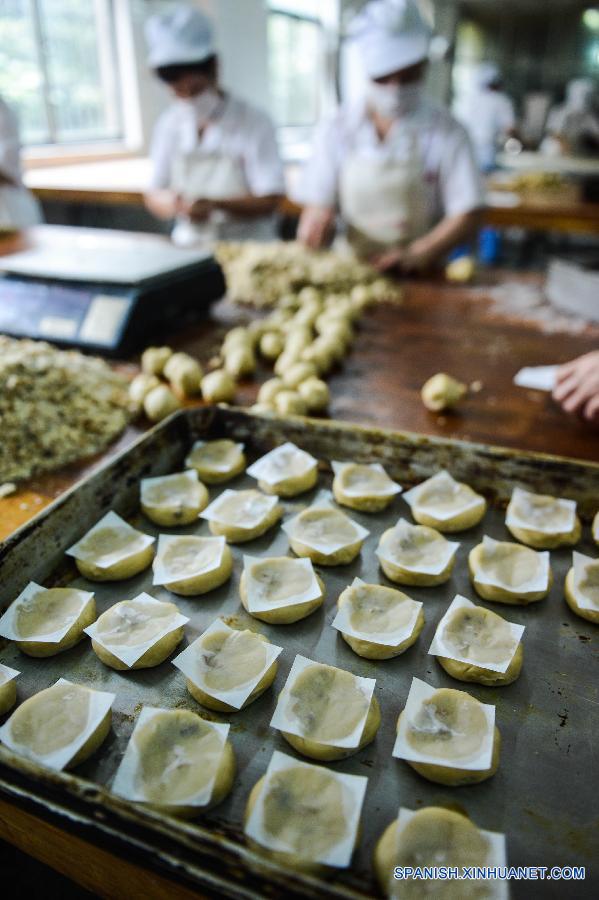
{"type": "Point", "coordinates": [586, 581]}
{"type": "Point", "coordinates": [99, 704]}
{"type": "Point", "coordinates": [385, 486]}
{"type": "Point", "coordinates": [180, 557]}
{"type": "Point", "coordinates": [241, 509]}
{"type": "Point", "coordinates": [194, 663]}
{"type": "Point", "coordinates": [7, 674]}
{"type": "Point", "coordinates": [443, 646]}
{"type": "Point", "coordinates": [353, 790]}
{"type": "Point", "coordinates": [343, 620]}
{"type": "Point", "coordinates": [401, 549]}
{"type": "Point", "coordinates": [403, 749]}
{"type": "Point", "coordinates": [534, 512]}
{"type": "Point", "coordinates": [286, 461]}
{"type": "Point", "coordinates": [492, 552]}
{"type": "Point", "coordinates": [27, 601]}
{"type": "Point", "coordinates": [257, 588]}
{"type": "Point", "coordinates": [128, 783]}
{"type": "Point", "coordinates": [119, 541]}
{"type": "Point", "coordinates": [285, 719]}
{"type": "Point", "coordinates": [442, 497]}
{"type": "Point", "coordinates": [320, 536]}
{"type": "Point", "coordinates": [138, 611]}
{"type": "Point", "coordinates": [538, 378]}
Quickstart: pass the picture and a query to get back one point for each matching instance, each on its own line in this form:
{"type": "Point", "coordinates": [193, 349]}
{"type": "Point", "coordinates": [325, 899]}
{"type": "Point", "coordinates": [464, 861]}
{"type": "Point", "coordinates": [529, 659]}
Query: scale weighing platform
{"type": "Point", "coordinates": [108, 292]}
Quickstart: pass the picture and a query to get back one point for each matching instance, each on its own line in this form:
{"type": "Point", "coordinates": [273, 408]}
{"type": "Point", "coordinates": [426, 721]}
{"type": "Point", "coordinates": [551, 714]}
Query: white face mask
{"type": "Point", "coordinates": [394, 100]}
{"type": "Point", "coordinates": [203, 105]}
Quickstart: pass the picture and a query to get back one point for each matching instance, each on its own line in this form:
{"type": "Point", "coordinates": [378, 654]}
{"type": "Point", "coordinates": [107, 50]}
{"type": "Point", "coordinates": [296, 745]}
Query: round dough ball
{"type": "Point", "coordinates": [359, 486]}
{"type": "Point", "coordinates": [238, 533]}
{"type": "Point", "coordinates": [460, 522]}
{"type": "Point", "coordinates": [47, 615]}
{"type": "Point", "coordinates": [238, 337]}
{"type": "Point", "coordinates": [211, 702]}
{"type": "Point", "coordinates": [217, 461]}
{"type": "Point", "coordinates": [271, 345]}
{"type": "Point", "coordinates": [293, 485]}
{"type": "Point", "coordinates": [285, 361]}
{"type": "Point", "coordinates": [496, 594]}
{"type": "Point", "coordinates": [269, 390]}
{"type": "Point", "coordinates": [315, 394]}
{"type": "Point", "coordinates": [115, 624]}
{"type": "Point", "coordinates": [174, 501]}
{"type": "Point", "coordinates": [119, 571]}
{"type": "Point", "coordinates": [462, 671]}
{"type": "Point", "coordinates": [433, 837]}
{"type": "Point", "coordinates": [8, 695]}
{"type": "Point", "coordinates": [207, 581]}
{"type": "Point", "coordinates": [290, 403]}
{"type": "Point", "coordinates": [218, 387]}
{"type": "Point", "coordinates": [591, 615]}
{"type": "Point", "coordinates": [401, 575]}
{"type": "Point", "coordinates": [154, 359]}
{"type": "Point", "coordinates": [159, 403]}
{"type": "Point", "coordinates": [299, 337]}
{"type": "Point", "coordinates": [311, 524]}
{"type": "Point", "coordinates": [442, 392]}
{"type": "Point", "coordinates": [184, 373]}
{"type": "Point", "coordinates": [159, 743]}
{"type": "Point", "coordinates": [141, 386]}
{"type": "Point", "coordinates": [297, 373]}
{"type": "Point", "coordinates": [285, 615]}
{"type": "Point", "coordinates": [240, 361]}
{"type": "Point", "coordinates": [385, 605]}
{"type": "Point", "coordinates": [328, 753]}
{"type": "Point", "coordinates": [540, 540]}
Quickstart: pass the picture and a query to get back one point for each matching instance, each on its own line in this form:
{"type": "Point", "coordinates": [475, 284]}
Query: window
{"type": "Point", "coordinates": [58, 69]}
{"type": "Point", "coordinates": [296, 62]}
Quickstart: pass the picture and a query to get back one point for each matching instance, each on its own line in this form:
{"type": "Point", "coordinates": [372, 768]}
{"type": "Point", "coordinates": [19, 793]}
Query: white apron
{"type": "Point", "coordinates": [18, 208]}
{"type": "Point", "coordinates": [384, 200]}
{"type": "Point", "coordinates": [213, 176]}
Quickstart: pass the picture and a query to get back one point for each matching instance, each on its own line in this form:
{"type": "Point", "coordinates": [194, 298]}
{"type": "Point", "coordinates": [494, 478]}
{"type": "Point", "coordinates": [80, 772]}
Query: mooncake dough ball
{"type": "Point", "coordinates": [8, 694]}
{"type": "Point", "coordinates": [423, 545]}
{"type": "Point", "coordinates": [127, 624]}
{"type": "Point", "coordinates": [329, 704]}
{"type": "Point", "coordinates": [269, 390]}
{"type": "Point", "coordinates": [437, 496]}
{"type": "Point", "coordinates": [315, 394]}
{"type": "Point", "coordinates": [174, 500]}
{"type": "Point", "coordinates": [442, 392]}
{"type": "Point", "coordinates": [313, 524]}
{"type": "Point", "coordinates": [48, 612]}
{"type": "Point", "coordinates": [433, 837]}
{"type": "Point", "coordinates": [271, 345]}
{"type": "Point", "coordinates": [184, 373]}
{"type": "Point", "coordinates": [234, 662]}
{"type": "Point", "coordinates": [295, 478]}
{"type": "Point", "coordinates": [132, 564]}
{"type": "Point", "coordinates": [378, 609]}
{"type": "Point", "coordinates": [297, 373]}
{"type": "Point", "coordinates": [217, 461]}
{"type": "Point", "coordinates": [236, 508]}
{"type": "Point", "coordinates": [154, 359]}
{"type": "Point", "coordinates": [54, 718]}
{"type": "Point", "coordinates": [176, 751]}
{"type": "Point", "coordinates": [461, 715]}
{"type": "Point", "coordinates": [590, 586]}
{"type": "Point", "coordinates": [240, 361]}
{"type": "Point", "coordinates": [281, 579]}
{"type": "Point", "coordinates": [159, 403]}
{"type": "Point", "coordinates": [515, 564]}
{"type": "Point", "coordinates": [359, 487]}
{"type": "Point", "coordinates": [486, 636]}
{"type": "Point", "coordinates": [290, 403]}
{"type": "Point", "coordinates": [218, 387]}
{"type": "Point", "coordinates": [141, 386]}
{"type": "Point", "coordinates": [546, 511]}
{"type": "Point", "coordinates": [183, 554]}
{"type": "Point", "coordinates": [239, 336]}
{"type": "Point", "coordinates": [306, 808]}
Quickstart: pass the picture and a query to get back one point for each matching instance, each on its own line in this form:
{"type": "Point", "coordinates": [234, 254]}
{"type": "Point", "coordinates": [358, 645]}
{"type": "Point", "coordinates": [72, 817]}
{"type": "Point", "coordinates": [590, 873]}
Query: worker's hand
{"type": "Point", "coordinates": [315, 228]}
{"type": "Point", "coordinates": [196, 210]}
{"type": "Point", "coordinates": [407, 260]}
{"type": "Point", "coordinates": [577, 387]}
{"type": "Point", "coordinates": [164, 204]}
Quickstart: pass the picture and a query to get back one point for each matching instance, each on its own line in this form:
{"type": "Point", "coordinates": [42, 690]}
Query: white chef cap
{"type": "Point", "coordinates": [181, 35]}
{"type": "Point", "coordinates": [391, 35]}
{"type": "Point", "coordinates": [487, 74]}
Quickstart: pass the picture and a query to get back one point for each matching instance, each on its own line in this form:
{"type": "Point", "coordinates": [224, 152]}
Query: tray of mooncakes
{"type": "Point", "coordinates": [266, 655]}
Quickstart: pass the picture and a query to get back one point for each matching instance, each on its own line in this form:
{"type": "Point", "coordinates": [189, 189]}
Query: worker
{"type": "Point", "coordinates": [18, 207]}
{"type": "Point", "coordinates": [216, 166]}
{"type": "Point", "coordinates": [487, 113]}
{"type": "Point", "coordinates": [577, 387]}
{"type": "Point", "coordinates": [573, 127]}
{"type": "Point", "coordinates": [400, 169]}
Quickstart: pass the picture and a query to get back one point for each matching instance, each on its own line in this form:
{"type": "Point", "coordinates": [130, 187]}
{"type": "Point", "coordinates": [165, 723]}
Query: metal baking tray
{"type": "Point", "coordinates": [541, 796]}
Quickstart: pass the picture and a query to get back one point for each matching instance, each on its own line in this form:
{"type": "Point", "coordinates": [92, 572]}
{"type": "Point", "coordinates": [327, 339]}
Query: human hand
{"type": "Point", "coordinates": [316, 226]}
{"type": "Point", "coordinates": [407, 259]}
{"type": "Point", "coordinates": [196, 210]}
{"type": "Point", "coordinates": [577, 387]}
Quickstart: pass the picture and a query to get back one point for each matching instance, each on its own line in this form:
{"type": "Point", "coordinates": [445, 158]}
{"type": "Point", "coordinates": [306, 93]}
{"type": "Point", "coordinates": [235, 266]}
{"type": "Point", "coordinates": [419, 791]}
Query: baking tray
{"type": "Point", "coordinates": [542, 794]}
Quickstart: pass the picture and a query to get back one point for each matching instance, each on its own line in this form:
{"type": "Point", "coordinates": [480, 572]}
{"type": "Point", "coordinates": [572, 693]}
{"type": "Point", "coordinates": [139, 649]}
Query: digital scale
{"type": "Point", "coordinates": [108, 292]}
